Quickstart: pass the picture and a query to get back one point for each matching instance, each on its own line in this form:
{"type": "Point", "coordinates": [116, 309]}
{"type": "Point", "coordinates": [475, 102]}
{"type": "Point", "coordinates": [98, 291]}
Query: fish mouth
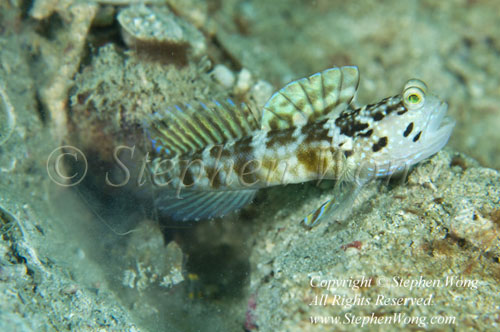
{"type": "Point", "coordinates": [439, 126]}
{"type": "Point", "coordinates": [438, 120]}
{"type": "Point", "coordinates": [438, 131]}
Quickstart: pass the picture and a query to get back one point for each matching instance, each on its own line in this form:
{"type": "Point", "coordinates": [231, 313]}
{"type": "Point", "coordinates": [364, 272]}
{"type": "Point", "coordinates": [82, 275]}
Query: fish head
{"type": "Point", "coordinates": [404, 129]}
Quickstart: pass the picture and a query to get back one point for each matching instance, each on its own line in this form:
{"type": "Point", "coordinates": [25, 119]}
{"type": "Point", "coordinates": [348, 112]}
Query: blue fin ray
{"type": "Point", "coordinates": [195, 205]}
{"type": "Point", "coordinates": [335, 209]}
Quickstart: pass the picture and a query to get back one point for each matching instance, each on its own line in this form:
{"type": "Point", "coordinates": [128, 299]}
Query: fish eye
{"type": "Point", "coordinates": [413, 97]}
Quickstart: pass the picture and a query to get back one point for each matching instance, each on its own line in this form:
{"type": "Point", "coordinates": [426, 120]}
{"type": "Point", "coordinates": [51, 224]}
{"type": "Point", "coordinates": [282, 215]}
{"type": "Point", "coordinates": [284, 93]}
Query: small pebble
{"type": "Point", "coordinates": [223, 75]}
{"type": "Point", "coordinates": [243, 82]}
{"type": "Point", "coordinates": [141, 24]}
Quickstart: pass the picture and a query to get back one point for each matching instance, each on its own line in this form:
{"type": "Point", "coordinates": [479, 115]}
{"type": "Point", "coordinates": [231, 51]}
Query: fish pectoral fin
{"type": "Point", "coordinates": [311, 98]}
{"type": "Point", "coordinates": [195, 205]}
{"type": "Point", "coordinates": [335, 209]}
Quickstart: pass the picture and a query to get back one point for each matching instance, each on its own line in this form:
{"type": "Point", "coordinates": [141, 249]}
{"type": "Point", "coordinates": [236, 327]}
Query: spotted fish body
{"type": "Point", "coordinates": [213, 157]}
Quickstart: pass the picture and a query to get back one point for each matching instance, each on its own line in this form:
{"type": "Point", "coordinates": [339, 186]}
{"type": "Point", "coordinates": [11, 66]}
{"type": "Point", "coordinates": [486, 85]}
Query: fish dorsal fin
{"type": "Point", "coordinates": [195, 205]}
{"type": "Point", "coordinates": [185, 129]}
{"type": "Point", "coordinates": [311, 98]}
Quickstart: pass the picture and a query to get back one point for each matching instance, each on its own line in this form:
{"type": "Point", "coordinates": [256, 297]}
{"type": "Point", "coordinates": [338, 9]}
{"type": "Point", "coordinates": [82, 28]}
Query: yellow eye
{"type": "Point", "coordinates": [413, 96]}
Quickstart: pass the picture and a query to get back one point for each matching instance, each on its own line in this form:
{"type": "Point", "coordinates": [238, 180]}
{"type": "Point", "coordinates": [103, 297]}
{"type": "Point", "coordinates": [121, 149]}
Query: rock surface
{"type": "Point", "coordinates": [442, 224]}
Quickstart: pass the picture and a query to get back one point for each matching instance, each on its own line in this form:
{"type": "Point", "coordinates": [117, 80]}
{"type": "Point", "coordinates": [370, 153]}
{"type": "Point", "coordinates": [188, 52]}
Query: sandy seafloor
{"type": "Point", "coordinates": [94, 258]}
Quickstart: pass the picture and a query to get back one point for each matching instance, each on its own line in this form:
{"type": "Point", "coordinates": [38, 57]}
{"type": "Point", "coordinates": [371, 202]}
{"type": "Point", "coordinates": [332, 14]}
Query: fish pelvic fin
{"type": "Point", "coordinates": [336, 209]}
